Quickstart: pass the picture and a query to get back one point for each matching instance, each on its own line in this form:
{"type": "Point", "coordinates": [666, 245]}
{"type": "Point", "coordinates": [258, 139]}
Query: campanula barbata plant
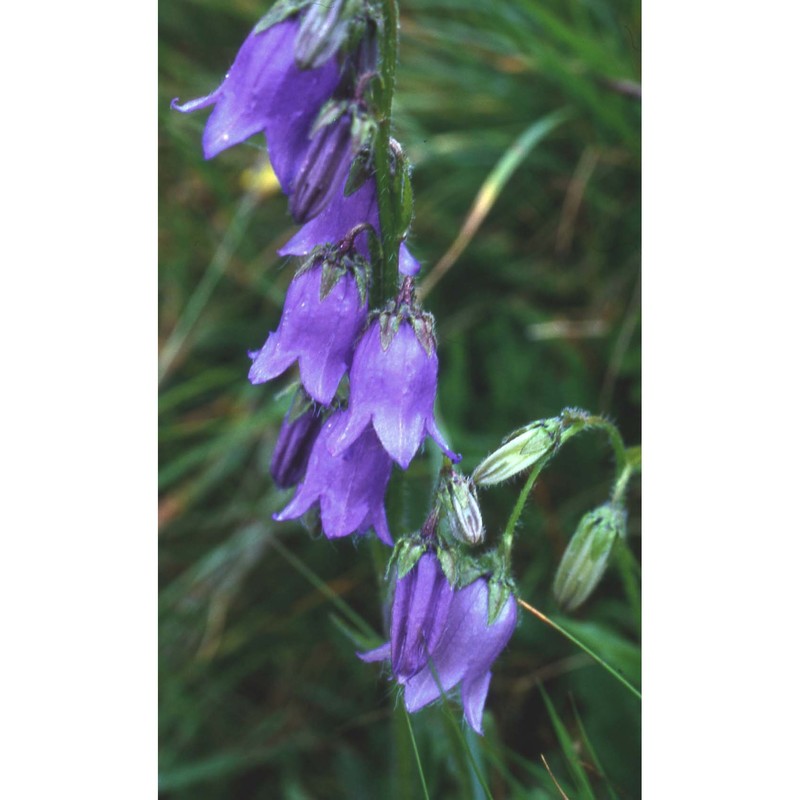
{"type": "Point", "coordinates": [316, 80]}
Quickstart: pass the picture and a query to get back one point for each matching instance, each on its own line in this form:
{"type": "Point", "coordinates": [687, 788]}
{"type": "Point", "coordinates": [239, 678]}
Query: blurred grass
{"type": "Point", "coordinates": [261, 694]}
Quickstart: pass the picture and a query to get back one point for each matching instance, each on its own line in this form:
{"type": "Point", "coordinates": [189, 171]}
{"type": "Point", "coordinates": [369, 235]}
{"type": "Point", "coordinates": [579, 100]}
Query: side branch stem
{"type": "Point", "coordinates": [508, 534]}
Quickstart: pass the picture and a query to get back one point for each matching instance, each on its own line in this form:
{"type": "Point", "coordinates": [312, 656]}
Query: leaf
{"type": "Point", "coordinates": [565, 740]}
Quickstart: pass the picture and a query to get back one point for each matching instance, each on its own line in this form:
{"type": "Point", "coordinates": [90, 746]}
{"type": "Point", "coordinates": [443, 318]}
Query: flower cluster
{"type": "Point", "coordinates": [443, 637]}
{"type": "Point", "coordinates": [300, 78]}
{"type": "Point", "coordinates": [311, 112]}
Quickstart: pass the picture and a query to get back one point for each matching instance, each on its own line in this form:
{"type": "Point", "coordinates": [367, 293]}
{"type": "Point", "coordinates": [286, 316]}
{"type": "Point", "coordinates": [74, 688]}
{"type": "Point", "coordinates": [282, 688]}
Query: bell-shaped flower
{"type": "Point", "coordinates": [341, 215]}
{"type": "Point", "coordinates": [266, 92]}
{"type": "Point", "coordinates": [322, 169]}
{"type": "Point", "coordinates": [319, 326]}
{"type": "Point", "coordinates": [349, 488]}
{"type": "Point", "coordinates": [461, 645]}
{"type": "Point", "coordinates": [296, 438]}
{"type": "Point", "coordinates": [420, 608]}
{"type": "Point", "coordinates": [393, 388]}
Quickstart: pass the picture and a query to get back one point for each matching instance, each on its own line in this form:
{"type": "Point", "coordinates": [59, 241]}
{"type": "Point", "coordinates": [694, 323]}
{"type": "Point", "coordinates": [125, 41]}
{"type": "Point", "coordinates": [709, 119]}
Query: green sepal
{"type": "Point", "coordinates": [360, 170]}
{"type": "Point", "coordinates": [410, 553]}
{"type": "Point", "coordinates": [336, 265]}
{"type": "Point", "coordinates": [499, 592]}
{"type": "Point", "coordinates": [328, 114]}
{"type": "Point", "coordinates": [405, 199]}
{"type": "Point", "coordinates": [389, 326]}
{"type": "Point", "coordinates": [424, 331]}
{"type": "Point", "coordinates": [362, 271]}
{"type": "Point", "coordinates": [282, 10]}
{"type": "Point", "coordinates": [301, 402]}
{"type": "Point", "coordinates": [319, 253]}
{"type": "Point", "coordinates": [362, 129]}
{"type": "Point", "coordinates": [449, 564]}
{"type": "Point", "coordinates": [469, 571]}
{"type": "Point", "coordinates": [332, 273]}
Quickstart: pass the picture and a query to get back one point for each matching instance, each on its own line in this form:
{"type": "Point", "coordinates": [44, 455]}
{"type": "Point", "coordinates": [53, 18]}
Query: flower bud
{"type": "Point", "coordinates": [586, 556]}
{"type": "Point", "coordinates": [296, 438]}
{"type": "Point", "coordinates": [458, 500]}
{"type": "Point", "coordinates": [323, 31]}
{"type": "Point", "coordinates": [529, 445]}
{"type": "Point", "coordinates": [324, 167]}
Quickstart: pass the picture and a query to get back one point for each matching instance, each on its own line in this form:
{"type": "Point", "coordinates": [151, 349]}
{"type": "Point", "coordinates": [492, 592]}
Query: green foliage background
{"type": "Point", "coordinates": [261, 695]}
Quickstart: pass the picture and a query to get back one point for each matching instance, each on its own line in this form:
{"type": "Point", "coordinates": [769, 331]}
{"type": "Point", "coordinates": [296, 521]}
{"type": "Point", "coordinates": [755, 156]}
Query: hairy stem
{"type": "Point", "coordinates": [387, 271]}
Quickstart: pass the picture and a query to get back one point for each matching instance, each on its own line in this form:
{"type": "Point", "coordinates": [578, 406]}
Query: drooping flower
{"type": "Point", "coordinates": [324, 311]}
{"type": "Point", "coordinates": [460, 644]}
{"type": "Point", "coordinates": [349, 488]}
{"type": "Point", "coordinates": [341, 216]}
{"type": "Point", "coordinates": [419, 613]}
{"type": "Point", "coordinates": [324, 30]}
{"type": "Point", "coordinates": [297, 435]}
{"type": "Point", "coordinates": [323, 169]}
{"type": "Point", "coordinates": [266, 92]}
{"type": "Point", "coordinates": [393, 387]}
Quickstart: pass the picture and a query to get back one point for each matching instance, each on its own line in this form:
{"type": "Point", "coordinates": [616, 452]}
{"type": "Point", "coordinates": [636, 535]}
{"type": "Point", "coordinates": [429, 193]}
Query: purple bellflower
{"type": "Point", "coordinates": [420, 608]}
{"type": "Point", "coordinates": [349, 488]}
{"type": "Point", "coordinates": [339, 217]}
{"type": "Point", "coordinates": [266, 92]}
{"type": "Point", "coordinates": [393, 386]}
{"type": "Point", "coordinates": [325, 310]}
{"type": "Point", "coordinates": [455, 633]}
{"type": "Point", "coordinates": [322, 170]}
{"type": "Point", "coordinates": [296, 438]}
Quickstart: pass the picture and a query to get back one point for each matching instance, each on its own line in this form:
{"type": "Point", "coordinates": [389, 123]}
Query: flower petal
{"type": "Point", "coordinates": [473, 698]}
{"type": "Point", "coordinates": [338, 218]}
{"type": "Point", "coordinates": [408, 264]}
{"type": "Point", "coordinates": [378, 654]}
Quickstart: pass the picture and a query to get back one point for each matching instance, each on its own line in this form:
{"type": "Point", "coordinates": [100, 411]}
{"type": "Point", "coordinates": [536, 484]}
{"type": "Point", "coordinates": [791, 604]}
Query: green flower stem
{"type": "Point", "coordinates": [614, 436]}
{"type": "Point", "coordinates": [633, 465]}
{"type": "Point", "coordinates": [508, 534]}
{"type": "Point", "coordinates": [628, 461]}
{"type": "Point", "coordinates": [385, 275]}
{"type": "Point", "coordinates": [416, 752]}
